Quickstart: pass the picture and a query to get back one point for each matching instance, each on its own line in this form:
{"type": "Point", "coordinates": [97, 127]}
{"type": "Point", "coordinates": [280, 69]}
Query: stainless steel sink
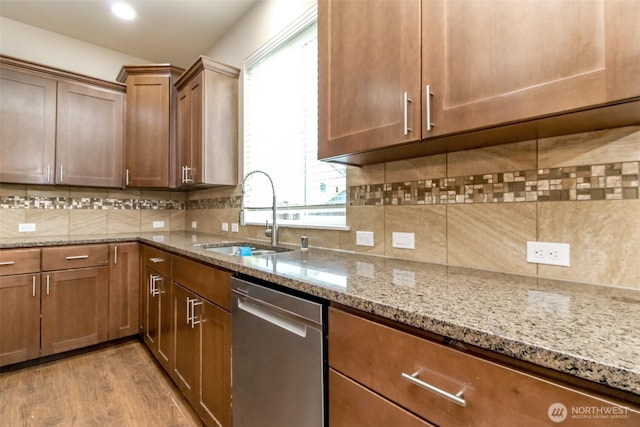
{"type": "Point", "coordinates": [234, 248]}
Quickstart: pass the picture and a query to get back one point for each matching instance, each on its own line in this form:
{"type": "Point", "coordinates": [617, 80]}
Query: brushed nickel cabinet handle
{"type": "Point", "coordinates": [115, 255]}
{"type": "Point", "coordinates": [406, 102]}
{"type": "Point", "coordinates": [47, 284]}
{"type": "Point", "coordinates": [71, 258]}
{"type": "Point", "coordinates": [48, 173]}
{"type": "Point", "coordinates": [191, 311]}
{"type": "Point", "coordinates": [428, 95]}
{"type": "Point", "coordinates": [61, 174]}
{"type": "Point", "coordinates": [153, 280]}
{"type": "Point", "coordinates": [156, 260]}
{"type": "Point", "coordinates": [33, 286]}
{"type": "Point", "coordinates": [7, 263]}
{"type": "Point", "coordinates": [455, 398]}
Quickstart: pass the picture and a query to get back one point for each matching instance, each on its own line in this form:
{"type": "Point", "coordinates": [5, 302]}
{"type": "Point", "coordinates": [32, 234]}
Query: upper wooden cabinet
{"type": "Point", "coordinates": [495, 71]}
{"type": "Point", "coordinates": [208, 124]}
{"type": "Point", "coordinates": [494, 62]}
{"type": "Point", "coordinates": [27, 127]}
{"type": "Point", "coordinates": [150, 124]}
{"type": "Point", "coordinates": [58, 127]}
{"type": "Point", "coordinates": [369, 58]}
{"type": "Point", "coordinates": [90, 136]}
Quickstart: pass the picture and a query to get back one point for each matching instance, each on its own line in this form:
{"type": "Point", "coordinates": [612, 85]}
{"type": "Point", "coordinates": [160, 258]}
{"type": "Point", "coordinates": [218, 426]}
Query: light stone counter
{"type": "Point", "coordinates": [591, 332]}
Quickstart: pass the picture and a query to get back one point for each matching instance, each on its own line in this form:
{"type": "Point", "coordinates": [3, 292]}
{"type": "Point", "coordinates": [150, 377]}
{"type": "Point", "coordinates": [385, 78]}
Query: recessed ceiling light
{"type": "Point", "coordinates": [123, 10]}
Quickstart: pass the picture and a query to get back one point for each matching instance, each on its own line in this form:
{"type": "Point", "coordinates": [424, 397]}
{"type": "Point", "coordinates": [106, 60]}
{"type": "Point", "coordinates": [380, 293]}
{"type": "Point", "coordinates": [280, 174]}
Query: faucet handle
{"type": "Point", "coordinates": [268, 231]}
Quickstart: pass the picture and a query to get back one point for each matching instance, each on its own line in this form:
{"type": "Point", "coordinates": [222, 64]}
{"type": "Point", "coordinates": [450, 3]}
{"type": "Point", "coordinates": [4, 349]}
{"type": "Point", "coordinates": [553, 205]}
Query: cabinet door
{"type": "Point", "coordinates": [157, 317]}
{"type": "Point", "coordinates": [190, 127]}
{"type": "Point", "coordinates": [497, 61]}
{"type": "Point", "coordinates": [148, 131]}
{"type": "Point", "coordinates": [214, 398]}
{"type": "Point", "coordinates": [90, 137]}
{"type": "Point", "coordinates": [369, 57]}
{"type": "Point", "coordinates": [74, 309]}
{"type": "Point", "coordinates": [187, 338]}
{"type": "Point", "coordinates": [19, 318]}
{"type": "Point", "coordinates": [27, 128]}
{"type": "Point", "coordinates": [151, 314]}
{"type": "Point", "coordinates": [123, 289]}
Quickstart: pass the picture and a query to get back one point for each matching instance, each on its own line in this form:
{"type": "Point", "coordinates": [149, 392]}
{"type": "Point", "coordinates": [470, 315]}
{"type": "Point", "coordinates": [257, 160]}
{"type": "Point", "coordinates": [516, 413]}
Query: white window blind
{"type": "Point", "coordinates": [281, 134]}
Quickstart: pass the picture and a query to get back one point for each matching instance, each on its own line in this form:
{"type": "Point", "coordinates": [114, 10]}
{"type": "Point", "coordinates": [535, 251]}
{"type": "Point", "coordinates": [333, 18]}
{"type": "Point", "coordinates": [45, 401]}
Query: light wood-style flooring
{"type": "Point", "coordinates": [119, 385]}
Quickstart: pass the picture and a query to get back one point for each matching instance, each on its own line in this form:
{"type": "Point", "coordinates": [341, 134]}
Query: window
{"type": "Point", "coordinates": [281, 134]}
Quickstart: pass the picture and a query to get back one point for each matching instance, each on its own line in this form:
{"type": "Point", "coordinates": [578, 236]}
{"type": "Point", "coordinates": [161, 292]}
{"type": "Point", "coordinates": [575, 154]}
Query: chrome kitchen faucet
{"type": "Point", "coordinates": [269, 232]}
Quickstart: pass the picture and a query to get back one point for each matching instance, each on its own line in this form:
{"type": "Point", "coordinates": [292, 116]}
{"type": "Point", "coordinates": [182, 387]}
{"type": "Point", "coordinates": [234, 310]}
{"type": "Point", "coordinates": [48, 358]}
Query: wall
{"type": "Point", "coordinates": [45, 47]}
{"type": "Point", "coordinates": [478, 208]}
{"type": "Point", "coordinates": [78, 211]}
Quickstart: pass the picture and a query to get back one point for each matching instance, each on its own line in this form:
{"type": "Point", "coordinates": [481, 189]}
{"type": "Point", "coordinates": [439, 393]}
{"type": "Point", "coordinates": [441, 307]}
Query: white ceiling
{"type": "Point", "coordinates": [164, 31]}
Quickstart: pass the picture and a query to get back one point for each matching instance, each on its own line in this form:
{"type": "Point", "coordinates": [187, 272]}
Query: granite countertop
{"type": "Point", "coordinates": [587, 331]}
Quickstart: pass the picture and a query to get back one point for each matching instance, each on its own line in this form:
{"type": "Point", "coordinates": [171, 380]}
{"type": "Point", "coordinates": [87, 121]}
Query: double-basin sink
{"type": "Point", "coordinates": [241, 248]}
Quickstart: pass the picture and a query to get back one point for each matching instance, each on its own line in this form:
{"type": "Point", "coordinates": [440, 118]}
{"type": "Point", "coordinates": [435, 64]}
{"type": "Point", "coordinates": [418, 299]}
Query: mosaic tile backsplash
{"type": "Point", "coordinates": [57, 202]}
{"type": "Point", "coordinates": [612, 181]}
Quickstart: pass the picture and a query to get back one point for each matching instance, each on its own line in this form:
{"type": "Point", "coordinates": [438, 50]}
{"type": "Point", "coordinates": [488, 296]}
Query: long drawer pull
{"type": "Point", "coordinates": [156, 260]}
{"type": "Point", "coordinates": [71, 258]}
{"type": "Point", "coordinates": [33, 286]}
{"type": "Point", "coordinates": [455, 398]}
{"type": "Point", "coordinates": [7, 262]}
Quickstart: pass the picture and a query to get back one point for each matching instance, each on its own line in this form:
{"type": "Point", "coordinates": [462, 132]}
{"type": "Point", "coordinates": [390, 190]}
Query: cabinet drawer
{"type": "Point", "coordinates": [19, 261]}
{"type": "Point", "coordinates": [350, 405]}
{"type": "Point", "coordinates": [81, 256]}
{"type": "Point", "coordinates": [157, 260]}
{"type": "Point", "coordinates": [377, 356]}
{"type": "Point", "coordinates": [211, 283]}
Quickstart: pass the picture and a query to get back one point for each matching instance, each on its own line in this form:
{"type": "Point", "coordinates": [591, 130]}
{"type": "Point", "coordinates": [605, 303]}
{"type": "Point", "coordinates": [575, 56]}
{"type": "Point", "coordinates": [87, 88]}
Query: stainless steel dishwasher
{"type": "Point", "coordinates": [278, 358]}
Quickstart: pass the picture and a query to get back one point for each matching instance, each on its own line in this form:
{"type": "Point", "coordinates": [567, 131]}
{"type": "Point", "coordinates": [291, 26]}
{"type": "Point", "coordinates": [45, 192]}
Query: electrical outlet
{"type": "Point", "coordinates": [403, 240]}
{"type": "Point", "coordinates": [364, 238]}
{"type": "Point", "coordinates": [158, 224]}
{"type": "Point", "coordinates": [234, 227]}
{"type": "Point", "coordinates": [26, 228]}
{"type": "Point", "coordinates": [194, 224]}
{"type": "Point", "coordinates": [225, 226]}
{"type": "Point", "coordinates": [548, 253]}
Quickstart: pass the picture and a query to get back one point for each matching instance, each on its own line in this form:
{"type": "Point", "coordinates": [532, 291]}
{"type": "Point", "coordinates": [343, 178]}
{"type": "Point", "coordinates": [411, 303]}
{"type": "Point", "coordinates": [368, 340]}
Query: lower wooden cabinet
{"type": "Point", "coordinates": [186, 324]}
{"type": "Point", "coordinates": [443, 385]}
{"type": "Point", "coordinates": [19, 317]}
{"type": "Point", "coordinates": [74, 309]}
{"type": "Point", "coordinates": [61, 298]}
{"type": "Point", "coordinates": [202, 339]}
{"type": "Point", "coordinates": [124, 286]}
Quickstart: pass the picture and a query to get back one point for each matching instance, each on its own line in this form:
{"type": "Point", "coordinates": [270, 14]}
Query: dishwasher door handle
{"type": "Point", "coordinates": [272, 317]}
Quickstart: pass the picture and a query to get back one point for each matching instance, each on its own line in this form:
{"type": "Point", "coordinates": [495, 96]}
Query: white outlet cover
{"type": "Point", "coordinates": [158, 224]}
{"type": "Point", "coordinates": [549, 253]}
{"type": "Point", "coordinates": [403, 240]}
{"type": "Point", "coordinates": [364, 238]}
{"type": "Point", "coordinates": [225, 226]}
{"type": "Point", "coordinates": [194, 224]}
{"type": "Point", "coordinates": [234, 227]}
{"type": "Point", "coordinates": [26, 228]}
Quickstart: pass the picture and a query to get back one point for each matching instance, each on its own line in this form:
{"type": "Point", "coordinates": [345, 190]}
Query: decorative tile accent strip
{"type": "Point", "coordinates": [43, 202]}
{"type": "Point", "coordinates": [217, 203]}
{"type": "Point", "coordinates": [613, 181]}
